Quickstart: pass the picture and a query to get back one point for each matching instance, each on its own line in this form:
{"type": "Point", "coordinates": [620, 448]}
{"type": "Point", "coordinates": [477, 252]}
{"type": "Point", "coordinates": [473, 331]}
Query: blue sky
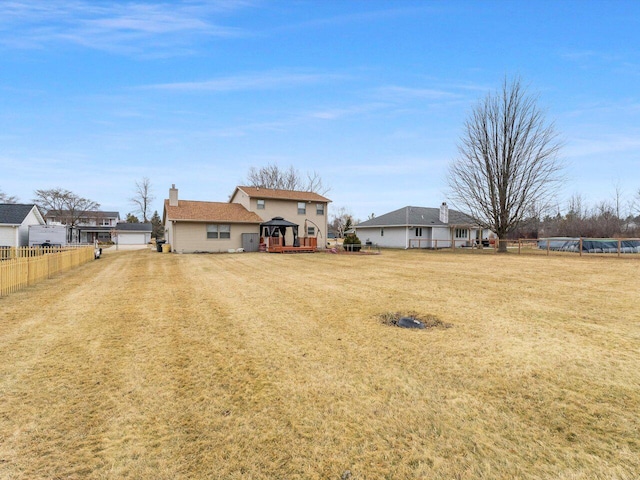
{"type": "Point", "coordinates": [371, 95]}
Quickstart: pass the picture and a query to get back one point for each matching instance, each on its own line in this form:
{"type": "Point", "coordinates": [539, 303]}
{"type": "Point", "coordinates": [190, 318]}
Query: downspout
{"type": "Point", "coordinates": [172, 241]}
{"type": "Point", "coordinates": [406, 236]}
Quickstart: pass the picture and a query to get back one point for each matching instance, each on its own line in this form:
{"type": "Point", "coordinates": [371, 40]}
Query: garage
{"type": "Point", "coordinates": [133, 233]}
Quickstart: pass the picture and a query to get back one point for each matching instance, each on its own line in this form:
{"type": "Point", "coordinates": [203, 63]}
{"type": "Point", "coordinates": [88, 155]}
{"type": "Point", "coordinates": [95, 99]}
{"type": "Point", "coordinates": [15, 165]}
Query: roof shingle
{"type": "Point", "coordinates": [134, 227]}
{"type": "Point", "coordinates": [196, 211]}
{"type": "Point", "coordinates": [259, 192]}
{"type": "Point", "coordinates": [420, 216]}
{"type": "Point", "coordinates": [14, 213]}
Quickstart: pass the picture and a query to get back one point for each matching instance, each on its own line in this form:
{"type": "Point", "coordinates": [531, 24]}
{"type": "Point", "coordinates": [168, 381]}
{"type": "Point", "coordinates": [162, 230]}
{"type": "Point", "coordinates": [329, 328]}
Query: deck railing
{"type": "Point", "coordinates": [24, 266]}
{"type": "Point", "coordinates": [276, 243]}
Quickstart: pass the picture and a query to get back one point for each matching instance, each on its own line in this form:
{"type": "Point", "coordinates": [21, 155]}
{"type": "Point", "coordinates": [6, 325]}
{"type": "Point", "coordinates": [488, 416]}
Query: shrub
{"type": "Point", "coordinates": [351, 243]}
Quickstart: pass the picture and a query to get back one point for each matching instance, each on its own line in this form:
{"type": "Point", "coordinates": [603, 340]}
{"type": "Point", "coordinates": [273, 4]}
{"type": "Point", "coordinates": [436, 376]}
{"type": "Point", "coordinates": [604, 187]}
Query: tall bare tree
{"type": "Point", "coordinates": [272, 176]}
{"type": "Point", "coordinates": [508, 160]}
{"type": "Point", "coordinates": [65, 205]}
{"type": "Point", "coordinates": [4, 198]}
{"type": "Point", "coordinates": [142, 198]}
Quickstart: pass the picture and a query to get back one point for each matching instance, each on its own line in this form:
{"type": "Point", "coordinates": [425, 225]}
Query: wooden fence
{"type": "Point", "coordinates": [24, 266]}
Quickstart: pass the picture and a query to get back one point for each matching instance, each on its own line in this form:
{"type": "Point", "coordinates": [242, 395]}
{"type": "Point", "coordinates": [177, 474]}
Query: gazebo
{"type": "Point", "coordinates": [272, 237]}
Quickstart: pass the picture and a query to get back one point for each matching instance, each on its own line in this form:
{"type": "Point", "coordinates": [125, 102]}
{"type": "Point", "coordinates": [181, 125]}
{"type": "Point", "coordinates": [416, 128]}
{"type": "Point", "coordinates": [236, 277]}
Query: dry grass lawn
{"type": "Point", "coordinates": [255, 366]}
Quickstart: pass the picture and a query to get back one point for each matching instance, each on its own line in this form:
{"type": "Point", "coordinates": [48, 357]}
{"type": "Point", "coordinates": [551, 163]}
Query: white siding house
{"type": "Point", "coordinates": [421, 227]}
{"type": "Point", "coordinates": [15, 219]}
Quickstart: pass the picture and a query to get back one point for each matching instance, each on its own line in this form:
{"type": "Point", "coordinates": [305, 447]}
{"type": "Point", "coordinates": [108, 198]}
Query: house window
{"type": "Point", "coordinates": [319, 208]}
{"type": "Point", "coordinates": [218, 231]}
{"type": "Point", "coordinates": [260, 204]}
{"type": "Point", "coordinates": [462, 233]}
{"type": "Point", "coordinates": [302, 208]}
{"type": "Point", "coordinates": [105, 222]}
{"type": "Point", "coordinates": [418, 231]}
{"type": "Point", "coordinates": [311, 231]}
{"type": "Point", "coordinates": [382, 232]}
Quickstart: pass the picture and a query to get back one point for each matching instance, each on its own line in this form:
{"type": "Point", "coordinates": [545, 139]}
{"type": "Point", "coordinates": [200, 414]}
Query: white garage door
{"type": "Point", "coordinates": [131, 239]}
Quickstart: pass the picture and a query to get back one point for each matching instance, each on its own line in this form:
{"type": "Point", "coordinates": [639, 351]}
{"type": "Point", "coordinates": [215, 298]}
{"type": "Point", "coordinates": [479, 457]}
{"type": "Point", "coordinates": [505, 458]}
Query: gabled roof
{"type": "Point", "coordinates": [195, 211]}
{"type": "Point", "coordinates": [134, 227]}
{"type": "Point", "coordinates": [14, 213]}
{"type": "Point", "coordinates": [259, 192]}
{"type": "Point", "coordinates": [416, 216]}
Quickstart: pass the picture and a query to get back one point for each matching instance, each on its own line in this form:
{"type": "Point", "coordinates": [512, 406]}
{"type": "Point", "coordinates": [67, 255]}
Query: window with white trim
{"type": "Point", "coordinates": [311, 231]}
{"type": "Point", "coordinates": [382, 232]}
{"type": "Point", "coordinates": [302, 208]}
{"type": "Point", "coordinates": [319, 208]}
{"type": "Point", "coordinates": [260, 204]}
{"type": "Point", "coordinates": [418, 231]}
{"type": "Point", "coordinates": [462, 233]}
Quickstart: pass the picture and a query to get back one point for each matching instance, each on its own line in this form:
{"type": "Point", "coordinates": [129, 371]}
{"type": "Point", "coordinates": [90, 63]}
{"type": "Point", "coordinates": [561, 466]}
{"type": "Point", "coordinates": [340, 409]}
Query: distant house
{"type": "Point", "coordinates": [422, 227]}
{"type": "Point", "coordinates": [15, 219]}
{"type": "Point", "coordinates": [90, 227]}
{"type": "Point", "coordinates": [133, 233]}
{"type": "Point", "coordinates": [253, 218]}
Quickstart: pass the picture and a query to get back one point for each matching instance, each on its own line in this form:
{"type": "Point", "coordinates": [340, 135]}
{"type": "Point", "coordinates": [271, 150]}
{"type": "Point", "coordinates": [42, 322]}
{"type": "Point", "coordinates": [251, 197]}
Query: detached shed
{"type": "Point", "coordinates": [133, 233]}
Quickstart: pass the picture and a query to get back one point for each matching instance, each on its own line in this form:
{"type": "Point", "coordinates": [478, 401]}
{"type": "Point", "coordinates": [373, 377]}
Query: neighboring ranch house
{"type": "Point", "coordinates": [196, 226]}
{"type": "Point", "coordinates": [15, 219]}
{"type": "Point", "coordinates": [133, 233]}
{"type": "Point", "coordinates": [421, 227]}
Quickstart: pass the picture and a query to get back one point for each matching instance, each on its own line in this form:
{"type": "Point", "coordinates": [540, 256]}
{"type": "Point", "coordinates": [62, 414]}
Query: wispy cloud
{"type": "Point", "coordinates": [601, 145]}
{"type": "Point", "coordinates": [403, 93]}
{"type": "Point", "coordinates": [250, 81]}
{"type": "Point", "coordinates": [370, 16]}
{"type": "Point", "coordinates": [131, 27]}
{"type": "Point", "coordinates": [337, 113]}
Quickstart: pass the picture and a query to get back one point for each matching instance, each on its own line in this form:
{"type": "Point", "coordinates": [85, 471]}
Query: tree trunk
{"type": "Point", "coordinates": [502, 246]}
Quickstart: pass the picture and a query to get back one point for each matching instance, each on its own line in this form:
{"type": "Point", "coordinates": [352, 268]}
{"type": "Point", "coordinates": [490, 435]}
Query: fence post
{"type": "Point", "coordinates": [548, 246]}
{"type": "Point", "coordinates": [580, 246]}
{"type": "Point", "coordinates": [619, 246]}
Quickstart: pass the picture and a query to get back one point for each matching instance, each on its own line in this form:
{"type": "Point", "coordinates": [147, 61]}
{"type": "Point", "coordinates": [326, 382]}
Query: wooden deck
{"type": "Point", "coordinates": [274, 245]}
{"type": "Point", "coordinates": [288, 249]}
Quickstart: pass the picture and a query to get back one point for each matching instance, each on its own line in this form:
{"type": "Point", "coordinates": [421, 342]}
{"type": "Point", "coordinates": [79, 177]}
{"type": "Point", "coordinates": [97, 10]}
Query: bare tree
{"type": "Point", "coordinates": [508, 161]}
{"type": "Point", "coordinates": [4, 198]}
{"type": "Point", "coordinates": [64, 205]}
{"type": "Point", "coordinates": [142, 198]}
{"type": "Point", "coordinates": [341, 221]}
{"type": "Point", "coordinates": [272, 176]}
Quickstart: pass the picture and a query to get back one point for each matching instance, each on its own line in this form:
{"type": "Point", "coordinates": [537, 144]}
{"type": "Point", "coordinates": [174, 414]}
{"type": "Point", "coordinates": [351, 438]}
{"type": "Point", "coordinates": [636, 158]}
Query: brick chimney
{"type": "Point", "coordinates": [173, 196]}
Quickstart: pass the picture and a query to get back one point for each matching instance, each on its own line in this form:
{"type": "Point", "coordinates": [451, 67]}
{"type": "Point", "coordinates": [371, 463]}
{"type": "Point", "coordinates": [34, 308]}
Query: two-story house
{"type": "Point", "coordinates": [87, 227]}
{"type": "Point", "coordinates": [253, 219]}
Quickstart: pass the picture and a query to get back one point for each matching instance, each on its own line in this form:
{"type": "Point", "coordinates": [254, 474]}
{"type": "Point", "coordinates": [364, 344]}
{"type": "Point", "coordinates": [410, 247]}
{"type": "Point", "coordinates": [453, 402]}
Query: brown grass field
{"type": "Point", "coordinates": [254, 366]}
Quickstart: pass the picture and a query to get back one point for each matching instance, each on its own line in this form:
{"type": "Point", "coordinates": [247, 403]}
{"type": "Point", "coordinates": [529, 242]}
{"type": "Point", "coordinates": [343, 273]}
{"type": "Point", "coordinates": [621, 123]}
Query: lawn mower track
{"type": "Point", "coordinates": [143, 365]}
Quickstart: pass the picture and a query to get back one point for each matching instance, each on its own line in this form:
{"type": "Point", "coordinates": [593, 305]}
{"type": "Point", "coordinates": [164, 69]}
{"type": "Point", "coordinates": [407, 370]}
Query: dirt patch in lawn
{"type": "Point", "coordinates": [393, 319]}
